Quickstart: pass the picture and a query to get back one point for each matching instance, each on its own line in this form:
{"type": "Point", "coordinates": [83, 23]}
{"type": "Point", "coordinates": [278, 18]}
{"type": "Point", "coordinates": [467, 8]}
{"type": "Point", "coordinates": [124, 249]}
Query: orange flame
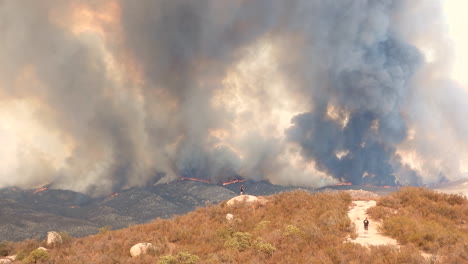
{"type": "Point", "coordinates": [73, 206]}
{"type": "Point", "coordinates": [193, 179]}
{"type": "Point", "coordinates": [233, 181]}
{"type": "Point", "coordinates": [40, 190]}
{"type": "Point", "coordinates": [114, 194]}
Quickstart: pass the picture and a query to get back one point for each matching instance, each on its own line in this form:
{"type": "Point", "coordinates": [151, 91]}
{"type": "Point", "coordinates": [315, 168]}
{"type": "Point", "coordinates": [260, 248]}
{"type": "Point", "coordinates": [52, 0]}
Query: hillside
{"type": "Point", "coordinates": [436, 223]}
{"type": "Point", "coordinates": [291, 227]}
{"type": "Point", "coordinates": [31, 213]}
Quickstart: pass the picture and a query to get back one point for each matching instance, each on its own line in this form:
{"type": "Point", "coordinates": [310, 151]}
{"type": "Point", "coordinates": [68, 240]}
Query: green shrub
{"type": "Point", "coordinates": [181, 258]}
{"type": "Point", "coordinates": [265, 248]}
{"type": "Point", "coordinates": [169, 259]}
{"type": "Point", "coordinates": [36, 255]}
{"type": "Point", "coordinates": [239, 241]}
{"type": "Point", "coordinates": [292, 230]}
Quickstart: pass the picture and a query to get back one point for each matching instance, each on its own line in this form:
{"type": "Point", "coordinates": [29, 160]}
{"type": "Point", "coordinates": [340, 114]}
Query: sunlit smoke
{"type": "Point", "coordinates": [96, 96]}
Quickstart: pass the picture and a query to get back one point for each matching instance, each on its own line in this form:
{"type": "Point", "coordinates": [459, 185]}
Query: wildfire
{"type": "Point", "coordinates": [73, 206]}
{"type": "Point", "coordinates": [40, 189]}
{"type": "Point", "coordinates": [233, 181]}
{"type": "Point", "coordinates": [193, 179]}
{"type": "Point", "coordinates": [114, 194]}
{"type": "Point", "coordinates": [206, 181]}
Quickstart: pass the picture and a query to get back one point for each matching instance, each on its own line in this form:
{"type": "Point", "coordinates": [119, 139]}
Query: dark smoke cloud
{"type": "Point", "coordinates": [171, 89]}
{"type": "Point", "coordinates": [372, 90]}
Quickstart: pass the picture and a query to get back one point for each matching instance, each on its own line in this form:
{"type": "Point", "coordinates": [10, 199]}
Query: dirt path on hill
{"type": "Point", "coordinates": [357, 214]}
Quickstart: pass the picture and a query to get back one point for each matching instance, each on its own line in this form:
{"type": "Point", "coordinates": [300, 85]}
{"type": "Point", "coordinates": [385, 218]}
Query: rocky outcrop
{"type": "Point", "coordinates": [141, 249]}
{"type": "Point", "coordinates": [4, 261]}
{"type": "Point", "coordinates": [53, 238]}
{"type": "Point", "coordinates": [246, 199]}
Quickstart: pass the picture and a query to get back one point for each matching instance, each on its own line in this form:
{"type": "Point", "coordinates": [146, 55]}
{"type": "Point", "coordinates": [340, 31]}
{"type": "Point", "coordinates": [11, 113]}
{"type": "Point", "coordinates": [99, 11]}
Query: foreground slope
{"type": "Point", "coordinates": [32, 213]}
{"type": "Point", "coordinates": [291, 227]}
{"type": "Point", "coordinates": [436, 223]}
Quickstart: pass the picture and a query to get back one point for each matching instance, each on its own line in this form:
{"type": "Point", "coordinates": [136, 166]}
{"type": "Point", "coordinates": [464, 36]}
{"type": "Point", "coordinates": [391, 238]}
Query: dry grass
{"type": "Point", "coordinates": [292, 227]}
{"type": "Point", "coordinates": [434, 222]}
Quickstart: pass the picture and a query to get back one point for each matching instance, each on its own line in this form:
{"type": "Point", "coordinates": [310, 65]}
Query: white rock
{"type": "Point", "coordinates": [243, 199]}
{"type": "Point", "coordinates": [53, 238]}
{"type": "Point", "coordinates": [42, 248]}
{"type": "Point", "coordinates": [3, 261]}
{"type": "Point", "coordinates": [229, 217]}
{"type": "Point", "coordinates": [140, 249]}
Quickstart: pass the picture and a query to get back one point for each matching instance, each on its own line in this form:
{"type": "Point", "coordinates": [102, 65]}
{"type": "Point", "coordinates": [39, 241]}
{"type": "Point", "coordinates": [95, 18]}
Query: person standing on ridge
{"type": "Point", "coordinates": [366, 225]}
{"type": "Point", "coordinates": [242, 189]}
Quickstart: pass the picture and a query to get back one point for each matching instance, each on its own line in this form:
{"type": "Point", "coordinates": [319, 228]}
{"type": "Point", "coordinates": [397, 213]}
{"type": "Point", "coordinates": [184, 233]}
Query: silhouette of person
{"type": "Point", "coordinates": [366, 225]}
{"type": "Point", "coordinates": [242, 189]}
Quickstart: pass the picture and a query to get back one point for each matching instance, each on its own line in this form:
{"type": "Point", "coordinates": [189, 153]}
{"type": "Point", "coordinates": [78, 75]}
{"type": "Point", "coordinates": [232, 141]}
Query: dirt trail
{"type": "Point", "coordinates": [357, 214]}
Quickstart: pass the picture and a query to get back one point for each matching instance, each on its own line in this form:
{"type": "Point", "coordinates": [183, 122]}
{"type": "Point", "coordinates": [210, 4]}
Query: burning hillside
{"type": "Point", "coordinates": [40, 190]}
{"type": "Point", "coordinates": [228, 182]}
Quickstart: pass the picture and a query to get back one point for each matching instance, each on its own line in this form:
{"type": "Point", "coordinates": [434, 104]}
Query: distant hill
{"type": "Point", "coordinates": [31, 213]}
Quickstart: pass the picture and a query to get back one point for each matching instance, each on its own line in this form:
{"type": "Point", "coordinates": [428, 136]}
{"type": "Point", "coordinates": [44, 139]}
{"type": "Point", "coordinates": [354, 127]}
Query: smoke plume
{"type": "Point", "coordinates": [101, 95]}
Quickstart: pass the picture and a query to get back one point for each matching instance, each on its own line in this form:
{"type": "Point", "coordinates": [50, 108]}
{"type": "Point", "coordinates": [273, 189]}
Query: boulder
{"type": "Point", "coordinates": [141, 249]}
{"type": "Point", "coordinates": [4, 261]}
{"type": "Point", "coordinates": [245, 199]}
{"type": "Point", "coordinates": [42, 248]}
{"type": "Point", "coordinates": [229, 217]}
{"type": "Point", "coordinates": [53, 238]}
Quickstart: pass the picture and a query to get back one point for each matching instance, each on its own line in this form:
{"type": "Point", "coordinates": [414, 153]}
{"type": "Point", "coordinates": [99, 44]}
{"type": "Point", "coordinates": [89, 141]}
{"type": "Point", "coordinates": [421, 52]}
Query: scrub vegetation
{"type": "Point", "coordinates": [291, 227]}
{"type": "Point", "coordinates": [434, 222]}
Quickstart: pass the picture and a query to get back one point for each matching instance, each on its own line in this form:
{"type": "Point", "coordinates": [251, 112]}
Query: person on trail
{"type": "Point", "coordinates": [366, 225]}
{"type": "Point", "coordinates": [242, 189]}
